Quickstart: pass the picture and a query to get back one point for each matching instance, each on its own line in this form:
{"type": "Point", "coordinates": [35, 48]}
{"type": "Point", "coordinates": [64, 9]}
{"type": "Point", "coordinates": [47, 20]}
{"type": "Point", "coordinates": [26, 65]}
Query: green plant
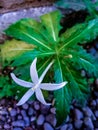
{"type": "Point", "coordinates": [69, 57]}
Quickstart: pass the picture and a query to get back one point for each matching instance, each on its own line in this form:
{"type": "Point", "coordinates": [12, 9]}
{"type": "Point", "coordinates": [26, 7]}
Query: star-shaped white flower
{"type": "Point", "coordinates": [36, 86]}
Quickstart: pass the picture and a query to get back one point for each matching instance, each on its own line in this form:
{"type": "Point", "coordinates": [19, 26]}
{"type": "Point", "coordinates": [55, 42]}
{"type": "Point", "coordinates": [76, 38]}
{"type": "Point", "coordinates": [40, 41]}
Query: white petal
{"type": "Point", "coordinates": [40, 97]}
{"type": "Point", "coordinates": [21, 82]}
{"type": "Point", "coordinates": [26, 96]}
{"type": "Point", "coordinates": [33, 71]}
{"type": "Point", "coordinates": [51, 87]}
{"type": "Point", "coordinates": [45, 71]}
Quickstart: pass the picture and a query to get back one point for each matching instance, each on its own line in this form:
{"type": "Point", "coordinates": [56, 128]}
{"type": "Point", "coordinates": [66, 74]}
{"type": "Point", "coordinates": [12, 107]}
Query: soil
{"type": "Point", "coordinates": [12, 5]}
{"type": "Point", "coordinates": [35, 116]}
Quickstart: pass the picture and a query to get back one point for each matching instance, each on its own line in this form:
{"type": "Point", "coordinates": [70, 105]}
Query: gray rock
{"type": "Point", "coordinates": [78, 114]}
{"type": "Point", "coordinates": [25, 106]}
{"type": "Point", "coordinates": [17, 128]}
{"type": "Point", "coordinates": [64, 127]}
{"type": "Point", "coordinates": [96, 113]}
{"type": "Point", "coordinates": [30, 111]}
{"type": "Point", "coordinates": [47, 126]}
{"type": "Point", "coordinates": [27, 121]}
{"type": "Point", "coordinates": [87, 111]}
{"type": "Point", "coordinates": [88, 123]}
{"type": "Point", "coordinates": [78, 124]}
{"type": "Point", "coordinates": [23, 113]}
{"type": "Point", "coordinates": [40, 119]}
{"type": "Point", "coordinates": [7, 126]}
{"type": "Point", "coordinates": [36, 105]}
{"type": "Point", "coordinates": [13, 112]}
{"type": "Point", "coordinates": [51, 119]}
{"type": "Point", "coordinates": [19, 123]}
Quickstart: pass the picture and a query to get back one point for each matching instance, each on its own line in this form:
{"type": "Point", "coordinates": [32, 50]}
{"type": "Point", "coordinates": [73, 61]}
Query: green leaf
{"type": "Point", "coordinates": [80, 33]}
{"type": "Point", "coordinates": [62, 96]}
{"type": "Point", "coordinates": [13, 49]}
{"type": "Point", "coordinates": [29, 31]}
{"type": "Point", "coordinates": [51, 23]}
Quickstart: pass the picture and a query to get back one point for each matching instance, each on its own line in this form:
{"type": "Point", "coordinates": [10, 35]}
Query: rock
{"type": "Point", "coordinates": [27, 121]}
{"type": "Point", "coordinates": [19, 117]}
{"type": "Point", "coordinates": [13, 112]}
{"type": "Point", "coordinates": [30, 111]}
{"type": "Point", "coordinates": [96, 113]}
{"type": "Point", "coordinates": [64, 127]}
{"type": "Point", "coordinates": [77, 114]}
{"type": "Point", "coordinates": [88, 123]}
{"type": "Point", "coordinates": [25, 106]}
{"type": "Point", "coordinates": [7, 126]}
{"type": "Point", "coordinates": [51, 119]}
{"type": "Point", "coordinates": [36, 105]}
{"type": "Point", "coordinates": [40, 119]}
{"type": "Point", "coordinates": [70, 127]}
{"type": "Point", "coordinates": [23, 113]}
{"type": "Point", "coordinates": [47, 126]}
{"type": "Point", "coordinates": [93, 103]}
{"type": "Point", "coordinates": [78, 124]}
{"type": "Point", "coordinates": [87, 111]}
{"type": "Point", "coordinates": [45, 109]}
{"type": "Point", "coordinates": [53, 110]}
{"type": "Point", "coordinates": [17, 128]}
{"type": "Point", "coordinates": [19, 123]}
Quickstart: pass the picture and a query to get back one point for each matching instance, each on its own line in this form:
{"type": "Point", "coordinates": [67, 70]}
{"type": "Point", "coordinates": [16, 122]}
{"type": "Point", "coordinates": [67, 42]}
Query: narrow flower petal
{"type": "Point", "coordinates": [40, 97]}
{"type": "Point", "coordinates": [33, 71]}
{"type": "Point", "coordinates": [45, 71]}
{"type": "Point", "coordinates": [51, 87]}
{"type": "Point", "coordinates": [21, 82]}
{"type": "Point", "coordinates": [26, 96]}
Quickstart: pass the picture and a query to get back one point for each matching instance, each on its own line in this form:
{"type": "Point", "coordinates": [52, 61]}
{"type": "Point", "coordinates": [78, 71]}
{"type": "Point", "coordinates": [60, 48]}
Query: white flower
{"type": "Point", "coordinates": [36, 86]}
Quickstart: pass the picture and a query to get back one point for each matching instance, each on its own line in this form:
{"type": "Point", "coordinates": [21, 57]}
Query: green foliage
{"type": "Point", "coordinates": [69, 57]}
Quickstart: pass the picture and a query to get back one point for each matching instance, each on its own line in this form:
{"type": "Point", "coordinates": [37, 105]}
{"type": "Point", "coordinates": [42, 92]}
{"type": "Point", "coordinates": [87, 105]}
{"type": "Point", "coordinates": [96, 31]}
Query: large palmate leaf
{"type": "Point", "coordinates": [69, 58]}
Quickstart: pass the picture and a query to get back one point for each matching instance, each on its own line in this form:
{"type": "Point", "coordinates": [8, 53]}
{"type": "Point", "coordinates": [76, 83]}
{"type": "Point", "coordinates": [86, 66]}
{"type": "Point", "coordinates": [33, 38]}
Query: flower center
{"type": "Point", "coordinates": [35, 87]}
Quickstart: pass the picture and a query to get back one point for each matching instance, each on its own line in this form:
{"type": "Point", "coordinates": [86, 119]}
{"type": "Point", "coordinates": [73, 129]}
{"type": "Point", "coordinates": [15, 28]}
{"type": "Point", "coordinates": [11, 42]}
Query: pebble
{"type": "Point", "coordinates": [36, 105]}
{"type": "Point", "coordinates": [13, 112]}
{"type": "Point", "coordinates": [78, 124]}
{"type": "Point", "coordinates": [25, 106]}
{"type": "Point", "coordinates": [16, 128]}
{"type": "Point", "coordinates": [77, 114]}
{"type": "Point", "coordinates": [87, 111]}
{"type": "Point", "coordinates": [40, 119]}
{"type": "Point", "coordinates": [88, 123]}
{"type": "Point", "coordinates": [19, 123]}
{"type": "Point", "coordinates": [47, 126]}
{"type": "Point", "coordinates": [64, 127]}
{"type": "Point", "coordinates": [30, 111]}
{"type": "Point", "coordinates": [23, 113]}
{"type": "Point", "coordinates": [96, 113]}
{"type": "Point", "coordinates": [45, 109]}
{"type": "Point", "coordinates": [51, 119]}
{"type": "Point", "coordinates": [27, 121]}
{"type": "Point", "coordinates": [6, 126]}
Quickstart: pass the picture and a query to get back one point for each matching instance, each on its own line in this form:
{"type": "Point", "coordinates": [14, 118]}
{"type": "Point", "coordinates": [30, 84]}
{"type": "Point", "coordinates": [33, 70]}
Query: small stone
{"type": "Point", "coordinates": [19, 123]}
{"type": "Point", "coordinates": [6, 126]}
{"type": "Point", "coordinates": [87, 111]}
{"type": "Point", "coordinates": [51, 119]}
{"type": "Point", "coordinates": [47, 126]}
{"type": "Point", "coordinates": [13, 112]}
{"type": "Point", "coordinates": [40, 120]}
{"type": "Point", "coordinates": [25, 106]}
{"type": "Point", "coordinates": [19, 117]}
{"type": "Point", "coordinates": [93, 103]}
{"type": "Point", "coordinates": [36, 105]}
{"type": "Point", "coordinates": [64, 127]}
{"type": "Point", "coordinates": [17, 128]}
{"type": "Point", "coordinates": [96, 113]}
{"type": "Point", "coordinates": [70, 127]}
{"type": "Point", "coordinates": [27, 121]}
{"type": "Point", "coordinates": [78, 124]}
{"type": "Point", "coordinates": [53, 110]}
{"type": "Point", "coordinates": [45, 109]}
{"type": "Point", "coordinates": [78, 114]}
{"type": "Point", "coordinates": [88, 123]}
{"type": "Point", "coordinates": [30, 111]}
{"type": "Point", "coordinates": [23, 113]}
{"type": "Point", "coordinates": [83, 73]}
{"type": "Point", "coordinates": [33, 118]}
